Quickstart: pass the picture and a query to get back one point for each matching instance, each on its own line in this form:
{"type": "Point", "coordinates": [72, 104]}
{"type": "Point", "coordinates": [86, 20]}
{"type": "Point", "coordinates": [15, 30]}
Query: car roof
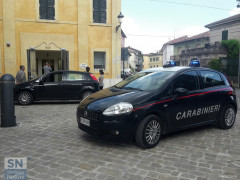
{"type": "Point", "coordinates": [174, 69]}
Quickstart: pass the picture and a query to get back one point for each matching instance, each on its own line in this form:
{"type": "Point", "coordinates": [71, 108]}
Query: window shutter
{"type": "Point", "coordinates": [99, 11]}
{"type": "Point", "coordinates": [42, 9]}
{"type": "Point", "coordinates": [51, 9]}
{"type": "Point", "coordinates": [225, 35]}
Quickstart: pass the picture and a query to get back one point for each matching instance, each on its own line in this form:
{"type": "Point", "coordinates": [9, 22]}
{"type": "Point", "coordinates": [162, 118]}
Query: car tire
{"type": "Point", "coordinates": [148, 132]}
{"type": "Point", "coordinates": [25, 98]}
{"type": "Point", "coordinates": [86, 94]}
{"type": "Point", "coordinates": [227, 117]}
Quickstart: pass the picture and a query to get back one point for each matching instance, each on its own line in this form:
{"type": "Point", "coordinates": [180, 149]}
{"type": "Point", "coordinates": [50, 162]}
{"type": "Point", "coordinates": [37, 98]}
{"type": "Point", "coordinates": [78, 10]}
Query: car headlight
{"type": "Point", "coordinates": [120, 108]}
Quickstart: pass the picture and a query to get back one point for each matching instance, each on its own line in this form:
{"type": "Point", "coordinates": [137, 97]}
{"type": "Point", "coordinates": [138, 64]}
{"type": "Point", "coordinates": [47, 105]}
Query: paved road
{"type": "Point", "coordinates": [56, 149]}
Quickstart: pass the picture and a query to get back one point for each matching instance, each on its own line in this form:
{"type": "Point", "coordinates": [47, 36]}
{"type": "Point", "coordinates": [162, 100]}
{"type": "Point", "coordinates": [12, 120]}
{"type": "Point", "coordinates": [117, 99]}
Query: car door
{"type": "Point", "coordinates": [214, 91]}
{"type": "Point", "coordinates": [51, 87]}
{"type": "Point", "coordinates": [183, 109]}
{"type": "Point", "coordinates": [74, 83]}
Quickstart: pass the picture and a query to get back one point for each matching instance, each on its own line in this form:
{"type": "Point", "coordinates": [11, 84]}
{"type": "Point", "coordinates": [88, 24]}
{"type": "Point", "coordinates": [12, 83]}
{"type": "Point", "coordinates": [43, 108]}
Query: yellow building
{"type": "Point", "coordinates": [153, 60]}
{"type": "Point", "coordinates": [146, 61]}
{"type": "Point", "coordinates": [69, 34]}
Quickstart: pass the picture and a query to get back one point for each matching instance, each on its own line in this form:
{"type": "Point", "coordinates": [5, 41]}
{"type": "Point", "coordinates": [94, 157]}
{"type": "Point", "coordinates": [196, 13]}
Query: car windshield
{"type": "Point", "coordinates": [145, 81]}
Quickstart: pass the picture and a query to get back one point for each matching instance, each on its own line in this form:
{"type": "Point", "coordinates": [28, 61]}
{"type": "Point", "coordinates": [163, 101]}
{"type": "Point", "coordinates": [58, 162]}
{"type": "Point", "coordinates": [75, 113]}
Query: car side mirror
{"type": "Point", "coordinates": [179, 92]}
{"type": "Point", "coordinates": [41, 82]}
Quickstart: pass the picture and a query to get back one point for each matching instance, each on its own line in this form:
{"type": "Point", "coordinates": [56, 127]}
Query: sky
{"type": "Point", "coordinates": [149, 24]}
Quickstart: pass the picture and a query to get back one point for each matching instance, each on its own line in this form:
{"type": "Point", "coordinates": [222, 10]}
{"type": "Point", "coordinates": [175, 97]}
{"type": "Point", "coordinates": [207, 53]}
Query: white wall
{"type": "Point", "coordinates": [167, 53]}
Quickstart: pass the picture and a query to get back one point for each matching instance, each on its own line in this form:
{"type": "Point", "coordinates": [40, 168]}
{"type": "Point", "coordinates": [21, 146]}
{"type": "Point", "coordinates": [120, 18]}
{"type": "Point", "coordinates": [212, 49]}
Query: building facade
{"type": "Point", "coordinates": [225, 29]}
{"type": "Point", "coordinates": [153, 60]}
{"type": "Point", "coordinates": [135, 59]}
{"type": "Point", "coordinates": [69, 34]}
{"type": "Point", "coordinates": [189, 48]}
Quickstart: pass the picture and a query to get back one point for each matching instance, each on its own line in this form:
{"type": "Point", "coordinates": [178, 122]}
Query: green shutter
{"type": "Point", "coordinates": [225, 35]}
{"type": "Point", "coordinates": [42, 9]}
{"type": "Point", "coordinates": [99, 11]}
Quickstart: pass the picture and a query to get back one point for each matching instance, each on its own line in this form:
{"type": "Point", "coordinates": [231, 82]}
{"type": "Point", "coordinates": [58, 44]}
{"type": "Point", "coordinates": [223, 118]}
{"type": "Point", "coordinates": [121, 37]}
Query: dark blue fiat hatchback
{"type": "Point", "coordinates": [158, 101]}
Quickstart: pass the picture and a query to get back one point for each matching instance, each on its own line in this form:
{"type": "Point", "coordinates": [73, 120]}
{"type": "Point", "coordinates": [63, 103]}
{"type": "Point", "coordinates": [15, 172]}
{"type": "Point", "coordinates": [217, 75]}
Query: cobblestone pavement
{"type": "Point", "coordinates": [56, 149]}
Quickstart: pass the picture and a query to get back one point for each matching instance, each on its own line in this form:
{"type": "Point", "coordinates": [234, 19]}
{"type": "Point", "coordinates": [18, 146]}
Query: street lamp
{"type": "Point", "coordinates": [238, 6]}
{"type": "Point", "coordinates": [120, 20]}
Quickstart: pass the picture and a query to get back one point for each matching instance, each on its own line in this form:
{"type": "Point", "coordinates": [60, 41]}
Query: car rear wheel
{"type": "Point", "coordinates": [148, 132]}
{"type": "Point", "coordinates": [86, 94]}
{"type": "Point", "coordinates": [227, 117]}
{"type": "Point", "coordinates": [25, 98]}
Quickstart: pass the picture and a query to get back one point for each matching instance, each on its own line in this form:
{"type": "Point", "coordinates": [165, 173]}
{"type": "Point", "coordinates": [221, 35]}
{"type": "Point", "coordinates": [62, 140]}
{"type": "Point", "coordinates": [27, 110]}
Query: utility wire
{"type": "Point", "coordinates": [195, 5]}
{"type": "Point", "coordinates": [146, 35]}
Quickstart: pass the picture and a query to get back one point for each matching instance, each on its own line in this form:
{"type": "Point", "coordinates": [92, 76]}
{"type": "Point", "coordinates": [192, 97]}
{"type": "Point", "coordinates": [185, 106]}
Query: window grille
{"type": "Point", "coordinates": [99, 60]}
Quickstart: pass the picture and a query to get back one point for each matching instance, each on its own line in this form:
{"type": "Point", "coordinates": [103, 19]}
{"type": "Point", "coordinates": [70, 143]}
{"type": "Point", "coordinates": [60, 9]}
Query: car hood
{"type": "Point", "coordinates": [110, 96]}
{"type": "Point", "coordinates": [23, 84]}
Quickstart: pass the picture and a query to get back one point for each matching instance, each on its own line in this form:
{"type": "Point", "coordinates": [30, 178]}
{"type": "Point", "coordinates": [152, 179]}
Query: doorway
{"type": "Point", "coordinates": [58, 60]}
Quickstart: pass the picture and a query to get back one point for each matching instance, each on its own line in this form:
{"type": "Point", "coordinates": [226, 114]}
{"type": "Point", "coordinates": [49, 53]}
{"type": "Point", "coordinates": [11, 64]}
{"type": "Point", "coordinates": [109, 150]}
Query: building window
{"type": "Point", "coordinates": [99, 60]}
{"type": "Point", "coordinates": [157, 59]}
{"type": "Point", "coordinates": [179, 50]}
{"type": "Point", "coordinates": [225, 35]}
{"type": "Point", "coordinates": [47, 9]}
{"type": "Point", "coordinates": [99, 11]}
{"type": "Point", "coordinates": [150, 59]}
{"type": "Point", "coordinates": [153, 59]}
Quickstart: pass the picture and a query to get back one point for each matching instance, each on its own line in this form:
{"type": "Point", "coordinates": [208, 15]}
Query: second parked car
{"type": "Point", "coordinates": [58, 85]}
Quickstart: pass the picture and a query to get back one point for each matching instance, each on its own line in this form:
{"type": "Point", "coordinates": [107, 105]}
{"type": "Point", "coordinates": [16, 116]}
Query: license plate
{"type": "Point", "coordinates": [85, 121]}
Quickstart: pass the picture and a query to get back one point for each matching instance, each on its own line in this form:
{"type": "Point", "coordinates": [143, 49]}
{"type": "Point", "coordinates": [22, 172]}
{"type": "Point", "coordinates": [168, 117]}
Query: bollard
{"type": "Point", "coordinates": [7, 84]}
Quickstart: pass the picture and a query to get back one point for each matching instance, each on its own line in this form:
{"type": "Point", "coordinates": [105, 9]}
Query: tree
{"type": "Point", "coordinates": [215, 64]}
{"type": "Point", "coordinates": [232, 47]}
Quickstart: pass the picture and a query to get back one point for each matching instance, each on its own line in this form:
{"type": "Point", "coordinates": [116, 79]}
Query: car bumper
{"type": "Point", "coordinates": [121, 126]}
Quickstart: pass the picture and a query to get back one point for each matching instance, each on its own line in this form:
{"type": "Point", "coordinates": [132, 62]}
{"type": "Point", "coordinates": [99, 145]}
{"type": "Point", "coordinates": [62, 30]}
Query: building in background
{"type": "Point", "coordinates": [182, 49]}
{"type": "Point", "coordinates": [225, 29]}
{"type": "Point", "coordinates": [66, 34]}
{"type": "Point", "coordinates": [135, 60]}
{"type": "Point", "coordinates": [153, 60]}
{"type": "Point", "coordinates": [124, 57]}
{"type": "Point", "coordinates": [168, 49]}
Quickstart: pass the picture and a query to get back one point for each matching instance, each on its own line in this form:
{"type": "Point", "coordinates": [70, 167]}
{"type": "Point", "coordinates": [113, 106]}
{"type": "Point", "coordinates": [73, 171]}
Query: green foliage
{"type": "Point", "coordinates": [232, 47]}
{"type": "Point", "coordinates": [215, 64]}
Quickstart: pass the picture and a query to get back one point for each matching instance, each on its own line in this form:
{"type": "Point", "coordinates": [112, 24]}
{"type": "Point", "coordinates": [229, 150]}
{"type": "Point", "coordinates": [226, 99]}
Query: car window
{"type": "Point", "coordinates": [187, 80]}
{"type": "Point", "coordinates": [211, 79]}
{"type": "Point", "coordinates": [76, 77]}
{"type": "Point", "coordinates": [146, 81]}
{"type": "Point", "coordinates": [56, 77]}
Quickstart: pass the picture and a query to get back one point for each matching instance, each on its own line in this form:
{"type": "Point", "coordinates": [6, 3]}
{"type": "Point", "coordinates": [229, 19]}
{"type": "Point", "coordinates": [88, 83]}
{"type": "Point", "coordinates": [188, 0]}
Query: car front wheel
{"type": "Point", "coordinates": [227, 117]}
{"type": "Point", "coordinates": [86, 94]}
{"type": "Point", "coordinates": [25, 98]}
{"type": "Point", "coordinates": [148, 132]}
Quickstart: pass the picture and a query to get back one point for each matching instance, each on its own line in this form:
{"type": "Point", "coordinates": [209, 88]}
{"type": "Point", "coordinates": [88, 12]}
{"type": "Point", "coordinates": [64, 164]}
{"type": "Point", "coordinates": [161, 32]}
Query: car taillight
{"type": "Point", "coordinates": [93, 77]}
{"type": "Point", "coordinates": [232, 92]}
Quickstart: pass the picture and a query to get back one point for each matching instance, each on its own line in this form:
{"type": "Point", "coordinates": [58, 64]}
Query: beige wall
{"type": "Point", "coordinates": [72, 29]}
{"type": "Point", "coordinates": [233, 32]}
{"type": "Point", "coordinates": [146, 62]}
{"type": "Point", "coordinates": [155, 63]}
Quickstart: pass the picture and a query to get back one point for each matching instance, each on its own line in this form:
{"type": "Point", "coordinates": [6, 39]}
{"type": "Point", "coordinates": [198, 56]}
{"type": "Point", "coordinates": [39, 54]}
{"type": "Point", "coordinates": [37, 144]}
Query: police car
{"type": "Point", "coordinates": [158, 101]}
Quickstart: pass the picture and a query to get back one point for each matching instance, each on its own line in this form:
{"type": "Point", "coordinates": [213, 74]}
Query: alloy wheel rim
{"type": "Point", "coordinates": [86, 95]}
{"type": "Point", "coordinates": [229, 117]}
{"type": "Point", "coordinates": [152, 132]}
{"type": "Point", "coordinates": [24, 98]}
